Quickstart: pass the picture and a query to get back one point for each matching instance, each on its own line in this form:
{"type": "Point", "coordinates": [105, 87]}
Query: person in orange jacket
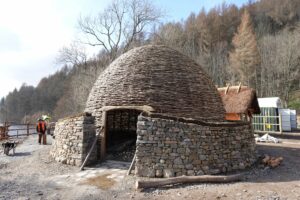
{"type": "Point", "coordinates": [41, 129]}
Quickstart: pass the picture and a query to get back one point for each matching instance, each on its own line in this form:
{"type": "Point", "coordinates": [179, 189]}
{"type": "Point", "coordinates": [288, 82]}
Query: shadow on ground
{"type": "Point", "coordinates": [21, 154]}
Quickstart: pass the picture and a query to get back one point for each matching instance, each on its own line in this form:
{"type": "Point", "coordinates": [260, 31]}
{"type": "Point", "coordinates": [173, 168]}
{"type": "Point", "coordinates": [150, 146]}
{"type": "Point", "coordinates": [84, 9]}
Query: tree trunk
{"type": "Point", "coordinates": [188, 179]}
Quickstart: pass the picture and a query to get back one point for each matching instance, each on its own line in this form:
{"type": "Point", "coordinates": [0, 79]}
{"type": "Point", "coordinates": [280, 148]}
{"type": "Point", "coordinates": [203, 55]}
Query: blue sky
{"type": "Point", "coordinates": [32, 33]}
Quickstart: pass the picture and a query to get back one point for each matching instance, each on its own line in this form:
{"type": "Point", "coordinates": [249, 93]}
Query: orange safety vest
{"type": "Point", "coordinates": [41, 127]}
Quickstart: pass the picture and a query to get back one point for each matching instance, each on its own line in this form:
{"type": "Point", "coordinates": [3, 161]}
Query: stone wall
{"type": "Point", "coordinates": [73, 138]}
{"type": "Point", "coordinates": [167, 148]}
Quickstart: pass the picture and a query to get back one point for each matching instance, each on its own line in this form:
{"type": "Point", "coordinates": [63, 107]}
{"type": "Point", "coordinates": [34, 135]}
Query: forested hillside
{"type": "Point", "coordinates": [215, 39]}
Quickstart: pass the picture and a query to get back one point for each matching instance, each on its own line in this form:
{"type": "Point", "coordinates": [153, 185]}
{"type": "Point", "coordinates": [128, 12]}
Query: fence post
{"type": "Point", "coordinates": [27, 129]}
{"type": "Point", "coordinates": [280, 123]}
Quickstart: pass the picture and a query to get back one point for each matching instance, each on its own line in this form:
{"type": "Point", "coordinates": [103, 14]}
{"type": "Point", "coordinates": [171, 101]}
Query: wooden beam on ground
{"type": "Point", "coordinates": [188, 179]}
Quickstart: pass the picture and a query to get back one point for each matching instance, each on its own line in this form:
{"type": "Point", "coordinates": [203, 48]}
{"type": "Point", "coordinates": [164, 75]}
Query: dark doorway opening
{"type": "Point", "coordinates": [121, 125]}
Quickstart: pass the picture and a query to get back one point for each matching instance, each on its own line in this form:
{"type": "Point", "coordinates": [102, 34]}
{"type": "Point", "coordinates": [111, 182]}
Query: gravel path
{"type": "Point", "coordinates": [32, 174]}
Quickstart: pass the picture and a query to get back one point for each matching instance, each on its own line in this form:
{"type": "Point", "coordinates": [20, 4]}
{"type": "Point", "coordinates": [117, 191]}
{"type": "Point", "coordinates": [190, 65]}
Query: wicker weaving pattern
{"type": "Point", "coordinates": [159, 77]}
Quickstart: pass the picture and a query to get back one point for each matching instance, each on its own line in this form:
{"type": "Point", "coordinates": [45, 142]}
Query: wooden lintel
{"type": "Point", "coordinates": [144, 108]}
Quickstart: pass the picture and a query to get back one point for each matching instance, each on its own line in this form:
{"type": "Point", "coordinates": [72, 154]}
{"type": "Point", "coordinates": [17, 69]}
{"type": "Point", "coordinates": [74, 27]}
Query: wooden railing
{"type": "Point", "coordinates": [9, 130]}
{"type": "Point", "coordinates": [24, 130]}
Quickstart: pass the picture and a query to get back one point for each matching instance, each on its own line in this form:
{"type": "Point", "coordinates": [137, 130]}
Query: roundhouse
{"type": "Point", "coordinates": [168, 106]}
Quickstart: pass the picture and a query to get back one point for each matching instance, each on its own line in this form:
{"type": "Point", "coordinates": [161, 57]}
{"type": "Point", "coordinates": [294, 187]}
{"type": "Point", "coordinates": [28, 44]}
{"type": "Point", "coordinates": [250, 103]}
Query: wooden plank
{"type": "Point", "coordinates": [91, 149]}
{"type": "Point", "coordinates": [131, 166]}
{"type": "Point", "coordinates": [103, 136]}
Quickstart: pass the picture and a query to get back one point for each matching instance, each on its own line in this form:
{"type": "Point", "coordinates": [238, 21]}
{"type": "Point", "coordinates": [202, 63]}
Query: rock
{"type": "Point", "coordinates": [214, 171]}
{"type": "Point", "coordinates": [159, 173]}
{"type": "Point", "coordinates": [202, 157]}
{"type": "Point", "coordinates": [168, 173]}
{"type": "Point", "coordinates": [189, 166]}
{"type": "Point", "coordinates": [190, 173]}
{"type": "Point", "coordinates": [63, 161]}
{"type": "Point", "coordinates": [178, 161]}
{"type": "Point", "coordinates": [241, 166]}
{"type": "Point", "coordinates": [200, 172]}
{"type": "Point", "coordinates": [40, 193]}
{"type": "Point", "coordinates": [145, 172]}
{"type": "Point", "coordinates": [162, 161]}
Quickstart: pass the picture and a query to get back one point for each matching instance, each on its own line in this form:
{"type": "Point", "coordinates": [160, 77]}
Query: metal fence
{"type": "Point", "coordinates": [267, 124]}
{"type": "Point", "coordinates": [269, 120]}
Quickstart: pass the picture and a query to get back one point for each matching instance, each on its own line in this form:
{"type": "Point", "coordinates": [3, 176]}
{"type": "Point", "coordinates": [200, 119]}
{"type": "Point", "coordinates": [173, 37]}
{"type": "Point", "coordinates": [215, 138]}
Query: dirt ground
{"type": "Point", "coordinates": [32, 174]}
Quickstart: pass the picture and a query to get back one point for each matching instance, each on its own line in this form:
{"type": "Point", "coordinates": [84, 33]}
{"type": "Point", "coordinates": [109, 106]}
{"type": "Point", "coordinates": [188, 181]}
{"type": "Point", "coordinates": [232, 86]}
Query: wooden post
{"type": "Point", "coordinates": [27, 129]}
{"type": "Point", "coordinates": [131, 166]}
{"type": "Point", "coordinates": [103, 136]}
{"type": "Point", "coordinates": [280, 123]}
{"type": "Point", "coordinates": [91, 149]}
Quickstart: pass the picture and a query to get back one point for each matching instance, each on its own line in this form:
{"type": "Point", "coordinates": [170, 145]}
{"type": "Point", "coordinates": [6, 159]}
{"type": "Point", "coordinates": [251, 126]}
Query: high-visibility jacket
{"type": "Point", "coordinates": [41, 127]}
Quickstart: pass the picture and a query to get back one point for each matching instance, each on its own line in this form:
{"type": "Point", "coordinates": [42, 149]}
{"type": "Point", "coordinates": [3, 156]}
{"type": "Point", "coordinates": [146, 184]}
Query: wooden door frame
{"type": "Point", "coordinates": [105, 110]}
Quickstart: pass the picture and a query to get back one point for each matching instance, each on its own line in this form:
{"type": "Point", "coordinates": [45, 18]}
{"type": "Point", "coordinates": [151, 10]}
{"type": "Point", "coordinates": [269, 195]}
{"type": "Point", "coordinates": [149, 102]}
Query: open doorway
{"type": "Point", "coordinates": [121, 136]}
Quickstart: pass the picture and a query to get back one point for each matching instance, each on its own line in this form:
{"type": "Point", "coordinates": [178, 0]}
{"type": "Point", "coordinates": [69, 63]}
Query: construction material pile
{"type": "Point", "coordinates": [271, 161]}
{"type": "Point", "coordinates": [267, 138]}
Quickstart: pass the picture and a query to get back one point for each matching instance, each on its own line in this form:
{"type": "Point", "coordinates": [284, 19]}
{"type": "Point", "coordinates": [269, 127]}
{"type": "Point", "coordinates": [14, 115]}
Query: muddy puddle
{"type": "Point", "coordinates": [101, 181]}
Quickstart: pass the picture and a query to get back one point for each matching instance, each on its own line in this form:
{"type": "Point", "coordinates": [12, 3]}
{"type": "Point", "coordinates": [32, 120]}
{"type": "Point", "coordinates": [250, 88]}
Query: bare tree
{"type": "Point", "coordinates": [280, 63]}
{"type": "Point", "coordinates": [118, 25]}
{"type": "Point", "coordinates": [74, 54]}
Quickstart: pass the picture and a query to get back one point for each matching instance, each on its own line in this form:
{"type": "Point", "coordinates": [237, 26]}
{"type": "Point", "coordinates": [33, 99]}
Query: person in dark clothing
{"type": "Point", "coordinates": [41, 129]}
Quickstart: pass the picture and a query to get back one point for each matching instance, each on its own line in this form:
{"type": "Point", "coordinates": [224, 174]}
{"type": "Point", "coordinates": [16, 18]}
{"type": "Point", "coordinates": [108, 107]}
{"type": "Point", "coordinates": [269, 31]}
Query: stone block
{"type": "Point", "coordinates": [178, 161]}
{"type": "Point", "coordinates": [191, 173]}
{"type": "Point", "coordinates": [168, 173]}
{"type": "Point", "coordinates": [159, 173]}
{"type": "Point", "coordinates": [145, 171]}
{"type": "Point", "coordinates": [189, 166]}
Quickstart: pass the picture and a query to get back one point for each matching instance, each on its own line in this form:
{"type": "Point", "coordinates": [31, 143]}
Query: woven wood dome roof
{"type": "Point", "coordinates": [160, 77]}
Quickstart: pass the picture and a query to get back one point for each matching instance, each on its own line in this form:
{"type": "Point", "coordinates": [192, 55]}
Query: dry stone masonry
{"type": "Point", "coordinates": [73, 139]}
{"type": "Point", "coordinates": [181, 129]}
{"type": "Point", "coordinates": [167, 148]}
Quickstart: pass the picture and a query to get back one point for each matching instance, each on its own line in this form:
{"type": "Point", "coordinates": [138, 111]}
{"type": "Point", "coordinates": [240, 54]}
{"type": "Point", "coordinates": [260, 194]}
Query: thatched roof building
{"type": "Point", "coordinates": [239, 102]}
{"type": "Point", "coordinates": [161, 78]}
